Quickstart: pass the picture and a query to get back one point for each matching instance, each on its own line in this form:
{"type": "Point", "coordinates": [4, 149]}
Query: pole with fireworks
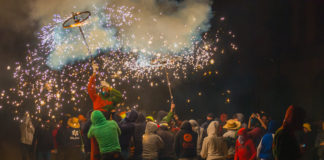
{"type": "Point", "coordinates": [77, 20]}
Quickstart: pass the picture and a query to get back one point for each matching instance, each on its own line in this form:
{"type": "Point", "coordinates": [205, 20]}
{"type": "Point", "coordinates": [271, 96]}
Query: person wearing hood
{"type": "Point", "coordinates": [152, 143]}
{"type": "Point", "coordinates": [167, 152]}
{"type": "Point", "coordinates": [140, 126]}
{"type": "Point", "coordinates": [127, 127]}
{"type": "Point", "coordinates": [285, 144]}
{"type": "Point", "coordinates": [185, 144]}
{"type": "Point", "coordinates": [232, 125]}
{"type": "Point", "coordinates": [244, 147]}
{"type": "Point", "coordinates": [27, 131]}
{"type": "Point", "coordinates": [106, 133]}
{"type": "Point", "coordinates": [264, 151]}
{"type": "Point", "coordinates": [214, 147]}
{"type": "Point", "coordinates": [105, 101]}
{"type": "Point", "coordinates": [199, 131]}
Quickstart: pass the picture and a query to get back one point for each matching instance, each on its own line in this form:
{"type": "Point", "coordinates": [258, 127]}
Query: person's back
{"type": "Point", "coordinates": [264, 151]}
{"type": "Point", "coordinates": [44, 139]}
{"type": "Point", "coordinates": [285, 144]}
{"type": "Point", "coordinates": [140, 126]}
{"type": "Point", "coordinates": [152, 143]}
{"type": "Point", "coordinates": [196, 128]}
{"type": "Point", "coordinates": [214, 147]}
{"type": "Point", "coordinates": [186, 142]}
{"type": "Point", "coordinates": [167, 152]}
{"type": "Point", "coordinates": [106, 133]}
{"type": "Point", "coordinates": [127, 127]}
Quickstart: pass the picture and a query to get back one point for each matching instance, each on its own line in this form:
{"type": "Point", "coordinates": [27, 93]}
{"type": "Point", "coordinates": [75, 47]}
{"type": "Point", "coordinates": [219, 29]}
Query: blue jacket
{"type": "Point", "coordinates": [266, 142]}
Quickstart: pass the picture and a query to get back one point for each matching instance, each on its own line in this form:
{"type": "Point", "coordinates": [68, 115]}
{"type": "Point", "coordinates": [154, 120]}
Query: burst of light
{"type": "Point", "coordinates": [59, 88]}
{"type": "Point", "coordinates": [212, 61]}
{"type": "Point", "coordinates": [42, 103]}
{"type": "Point", "coordinates": [228, 100]}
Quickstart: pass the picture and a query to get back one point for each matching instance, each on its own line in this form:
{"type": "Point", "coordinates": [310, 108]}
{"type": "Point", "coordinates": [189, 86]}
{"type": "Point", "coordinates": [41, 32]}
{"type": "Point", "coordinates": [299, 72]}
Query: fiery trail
{"type": "Point", "coordinates": [56, 73]}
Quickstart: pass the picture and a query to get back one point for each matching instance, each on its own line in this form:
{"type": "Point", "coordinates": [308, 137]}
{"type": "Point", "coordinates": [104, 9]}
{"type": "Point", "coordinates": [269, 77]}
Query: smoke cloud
{"type": "Point", "coordinates": [144, 26]}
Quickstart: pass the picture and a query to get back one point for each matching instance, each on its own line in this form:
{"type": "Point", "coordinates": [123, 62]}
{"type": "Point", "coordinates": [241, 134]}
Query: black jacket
{"type": "Point", "coordinates": [186, 141]}
{"type": "Point", "coordinates": [43, 137]}
{"type": "Point", "coordinates": [168, 138]}
{"type": "Point", "coordinates": [140, 126]}
{"type": "Point", "coordinates": [68, 137]}
{"type": "Point", "coordinates": [127, 127]}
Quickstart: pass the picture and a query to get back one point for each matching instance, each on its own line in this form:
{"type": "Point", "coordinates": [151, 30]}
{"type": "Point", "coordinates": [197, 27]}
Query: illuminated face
{"type": "Point", "coordinates": [104, 89]}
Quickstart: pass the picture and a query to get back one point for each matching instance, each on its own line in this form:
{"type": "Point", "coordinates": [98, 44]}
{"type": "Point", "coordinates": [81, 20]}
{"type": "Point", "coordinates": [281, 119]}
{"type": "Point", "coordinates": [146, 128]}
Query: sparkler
{"type": "Point", "coordinates": [77, 20]}
{"type": "Point", "coordinates": [48, 91]}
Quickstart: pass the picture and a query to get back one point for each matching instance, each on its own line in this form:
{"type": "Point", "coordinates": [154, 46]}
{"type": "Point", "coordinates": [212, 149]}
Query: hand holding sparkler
{"type": "Point", "coordinates": [172, 107]}
{"type": "Point", "coordinates": [95, 68]}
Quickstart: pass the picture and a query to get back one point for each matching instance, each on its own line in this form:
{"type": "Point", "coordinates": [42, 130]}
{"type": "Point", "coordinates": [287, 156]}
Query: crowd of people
{"type": "Point", "coordinates": [108, 136]}
{"type": "Point", "coordinates": [106, 133]}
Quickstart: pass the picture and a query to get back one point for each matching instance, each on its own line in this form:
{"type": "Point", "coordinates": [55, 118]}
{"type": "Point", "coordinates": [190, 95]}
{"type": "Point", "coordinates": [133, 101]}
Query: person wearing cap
{"type": "Point", "coordinates": [244, 147]}
{"type": "Point", "coordinates": [149, 119]}
{"type": "Point", "coordinates": [306, 139]}
{"type": "Point", "coordinates": [232, 125]}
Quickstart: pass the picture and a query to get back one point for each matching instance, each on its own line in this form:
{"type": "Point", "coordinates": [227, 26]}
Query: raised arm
{"type": "Point", "coordinates": [168, 118]}
{"type": "Point", "coordinates": [92, 83]}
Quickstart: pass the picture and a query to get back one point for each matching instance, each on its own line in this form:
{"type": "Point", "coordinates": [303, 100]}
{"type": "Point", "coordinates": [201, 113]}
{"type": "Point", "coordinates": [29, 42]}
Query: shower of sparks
{"type": "Point", "coordinates": [46, 91]}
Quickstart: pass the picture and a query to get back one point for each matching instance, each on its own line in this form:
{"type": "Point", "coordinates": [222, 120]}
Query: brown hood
{"type": "Point", "coordinates": [294, 118]}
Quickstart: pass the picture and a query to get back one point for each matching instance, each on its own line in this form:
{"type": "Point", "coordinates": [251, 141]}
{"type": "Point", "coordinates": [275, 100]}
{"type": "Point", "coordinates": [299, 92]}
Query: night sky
{"type": "Point", "coordinates": [280, 60]}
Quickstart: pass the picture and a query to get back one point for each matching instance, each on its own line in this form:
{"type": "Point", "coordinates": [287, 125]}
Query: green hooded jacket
{"type": "Point", "coordinates": [106, 133]}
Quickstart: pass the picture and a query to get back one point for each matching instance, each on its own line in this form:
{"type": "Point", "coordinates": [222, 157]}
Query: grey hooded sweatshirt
{"type": "Point", "coordinates": [152, 143]}
{"type": "Point", "coordinates": [214, 147]}
{"type": "Point", "coordinates": [199, 131]}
